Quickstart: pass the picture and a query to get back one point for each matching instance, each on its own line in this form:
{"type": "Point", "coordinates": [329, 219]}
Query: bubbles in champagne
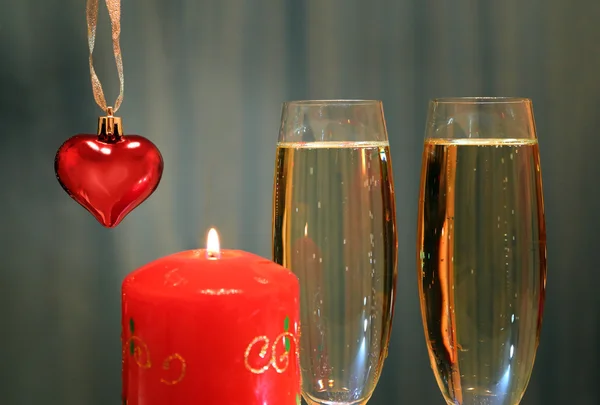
{"type": "Point", "coordinates": [346, 219]}
{"type": "Point", "coordinates": [482, 266]}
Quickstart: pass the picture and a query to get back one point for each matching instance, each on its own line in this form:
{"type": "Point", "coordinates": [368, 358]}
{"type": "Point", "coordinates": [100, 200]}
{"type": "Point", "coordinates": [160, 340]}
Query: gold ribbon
{"type": "Point", "coordinates": [114, 10]}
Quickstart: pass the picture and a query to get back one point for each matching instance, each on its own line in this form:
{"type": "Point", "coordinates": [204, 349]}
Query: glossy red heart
{"type": "Point", "coordinates": [109, 179]}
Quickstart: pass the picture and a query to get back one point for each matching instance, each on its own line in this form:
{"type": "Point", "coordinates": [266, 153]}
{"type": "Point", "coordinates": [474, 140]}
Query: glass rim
{"type": "Point", "coordinates": [331, 102]}
{"type": "Point", "coordinates": [481, 100]}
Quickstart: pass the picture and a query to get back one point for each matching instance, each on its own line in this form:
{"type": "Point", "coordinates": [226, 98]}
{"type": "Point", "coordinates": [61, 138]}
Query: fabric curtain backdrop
{"type": "Point", "coordinates": [204, 81]}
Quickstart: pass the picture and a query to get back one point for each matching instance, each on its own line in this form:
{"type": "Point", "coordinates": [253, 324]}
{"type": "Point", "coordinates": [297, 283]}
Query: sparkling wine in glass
{"type": "Point", "coordinates": [481, 248]}
{"type": "Point", "coordinates": [334, 226]}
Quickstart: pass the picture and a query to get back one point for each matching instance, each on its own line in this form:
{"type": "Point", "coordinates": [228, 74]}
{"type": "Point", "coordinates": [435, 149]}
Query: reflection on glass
{"type": "Point", "coordinates": [481, 248]}
{"type": "Point", "coordinates": [334, 227]}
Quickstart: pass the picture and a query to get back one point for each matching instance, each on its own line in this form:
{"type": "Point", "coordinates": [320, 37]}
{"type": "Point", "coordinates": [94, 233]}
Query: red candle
{"type": "Point", "coordinates": [211, 326]}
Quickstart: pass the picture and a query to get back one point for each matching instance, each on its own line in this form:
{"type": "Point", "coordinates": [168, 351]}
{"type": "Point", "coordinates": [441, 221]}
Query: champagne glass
{"type": "Point", "coordinates": [334, 226]}
{"type": "Point", "coordinates": [481, 248]}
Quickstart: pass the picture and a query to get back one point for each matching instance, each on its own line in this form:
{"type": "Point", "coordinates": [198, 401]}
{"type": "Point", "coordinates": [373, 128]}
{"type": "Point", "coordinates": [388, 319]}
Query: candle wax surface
{"type": "Point", "coordinates": [216, 331]}
{"type": "Point", "coordinates": [191, 275]}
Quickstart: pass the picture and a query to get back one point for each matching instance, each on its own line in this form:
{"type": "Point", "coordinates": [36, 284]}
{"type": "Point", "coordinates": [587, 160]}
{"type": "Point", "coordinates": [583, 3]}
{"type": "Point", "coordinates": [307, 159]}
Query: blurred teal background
{"type": "Point", "coordinates": [204, 80]}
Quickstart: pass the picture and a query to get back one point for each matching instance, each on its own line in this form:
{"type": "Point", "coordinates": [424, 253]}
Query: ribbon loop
{"type": "Point", "coordinates": [114, 11]}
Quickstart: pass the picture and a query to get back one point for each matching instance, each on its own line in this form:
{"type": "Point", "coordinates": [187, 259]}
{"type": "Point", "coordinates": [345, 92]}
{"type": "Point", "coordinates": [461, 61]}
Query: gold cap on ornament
{"type": "Point", "coordinates": [110, 128]}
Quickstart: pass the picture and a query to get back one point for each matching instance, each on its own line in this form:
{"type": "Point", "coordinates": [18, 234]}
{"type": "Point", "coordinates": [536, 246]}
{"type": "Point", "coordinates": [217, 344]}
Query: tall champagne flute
{"type": "Point", "coordinates": [334, 226]}
{"type": "Point", "coordinates": [481, 248]}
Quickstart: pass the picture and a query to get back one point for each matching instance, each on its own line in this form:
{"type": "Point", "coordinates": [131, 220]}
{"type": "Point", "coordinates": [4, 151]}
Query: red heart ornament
{"type": "Point", "coordinates": [109, 176]}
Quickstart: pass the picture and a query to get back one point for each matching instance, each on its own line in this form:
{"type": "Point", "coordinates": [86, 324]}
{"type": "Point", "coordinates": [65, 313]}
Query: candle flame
{"type": "Point", "coordinates": [213, 249]}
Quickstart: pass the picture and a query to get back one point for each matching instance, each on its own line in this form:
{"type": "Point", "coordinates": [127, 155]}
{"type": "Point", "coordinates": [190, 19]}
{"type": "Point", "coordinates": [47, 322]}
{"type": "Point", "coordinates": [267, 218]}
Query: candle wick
{"type": "Point", "coordinates": [213, 255]}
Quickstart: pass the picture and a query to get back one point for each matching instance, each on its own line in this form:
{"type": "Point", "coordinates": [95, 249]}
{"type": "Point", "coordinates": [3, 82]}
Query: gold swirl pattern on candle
{"type": "Point", "coordinates": [174, 279]}
{"type": "Point", "coordinates": [279, 363]}
{"type": "Point", "coordinates": [262, 354]}
{"type": "Point", "coordinates": [167, 365]}
{"type": "Point", "coordinates": [139, 350]}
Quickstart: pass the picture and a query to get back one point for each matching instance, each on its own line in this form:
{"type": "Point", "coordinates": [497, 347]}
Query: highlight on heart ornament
{"type": "Point", "coordinates": [109, 174]}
